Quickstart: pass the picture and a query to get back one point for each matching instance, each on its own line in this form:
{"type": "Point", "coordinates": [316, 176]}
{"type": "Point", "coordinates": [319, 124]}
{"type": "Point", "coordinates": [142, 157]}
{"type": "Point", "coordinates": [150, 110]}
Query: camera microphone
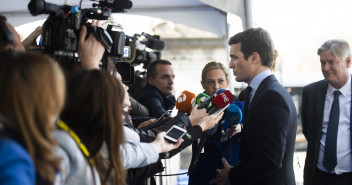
{"type": "Point", "coordinates": [153, 42]}
{"type": "Point", "coordinates": [37, 7]}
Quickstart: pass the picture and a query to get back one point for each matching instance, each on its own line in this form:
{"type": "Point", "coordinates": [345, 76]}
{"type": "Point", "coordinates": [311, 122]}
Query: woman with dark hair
{"type": "Point", "coordinates": [93, 113]}
{"type": "Point", "coordinates": [32, 96]}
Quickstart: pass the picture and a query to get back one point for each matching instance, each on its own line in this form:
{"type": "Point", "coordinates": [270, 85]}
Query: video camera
{"type": "Point", "coordinates": [60, 35]}
{"type": "Point", "coordinates": [60, 32]}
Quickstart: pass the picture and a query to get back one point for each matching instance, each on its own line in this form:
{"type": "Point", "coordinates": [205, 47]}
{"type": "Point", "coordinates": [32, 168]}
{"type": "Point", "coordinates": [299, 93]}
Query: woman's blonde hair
{"type": "Point", "coordinates": [32, 93]}
{"type": "Point", "coordinates": [214, 65]}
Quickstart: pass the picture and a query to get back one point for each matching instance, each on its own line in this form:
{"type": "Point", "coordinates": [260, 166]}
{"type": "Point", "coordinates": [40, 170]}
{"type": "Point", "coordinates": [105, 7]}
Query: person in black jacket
{"type": "Point", "coordinates": [270, 118]}
{"type": "Point", "coordinates": [157, 94]}
{"type": "Point", "coordinates": [195, 124]}
{"type": "Point", "coordinates": [317, 101]}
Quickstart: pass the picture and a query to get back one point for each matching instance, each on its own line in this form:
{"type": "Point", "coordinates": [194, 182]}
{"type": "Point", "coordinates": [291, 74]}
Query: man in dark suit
{"type": "Point", "coordinates": [156, 95]}
{"type": "Point", "coordinates": [270, 122]}
{"type": "Point", "coordinates": [326, 118]}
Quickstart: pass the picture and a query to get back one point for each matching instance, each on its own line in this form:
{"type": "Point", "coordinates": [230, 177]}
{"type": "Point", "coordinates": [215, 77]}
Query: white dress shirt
{"type": "Point", "coordinates": [344, 155]}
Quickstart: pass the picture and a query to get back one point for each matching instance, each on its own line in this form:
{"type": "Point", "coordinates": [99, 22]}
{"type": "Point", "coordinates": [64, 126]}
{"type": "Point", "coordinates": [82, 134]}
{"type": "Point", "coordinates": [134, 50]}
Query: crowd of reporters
{"type": "Point", "coordinates": [60, 128]}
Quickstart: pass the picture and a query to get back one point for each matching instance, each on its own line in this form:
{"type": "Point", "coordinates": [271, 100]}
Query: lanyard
{"type": "Point", "coordinates": [83, 148]}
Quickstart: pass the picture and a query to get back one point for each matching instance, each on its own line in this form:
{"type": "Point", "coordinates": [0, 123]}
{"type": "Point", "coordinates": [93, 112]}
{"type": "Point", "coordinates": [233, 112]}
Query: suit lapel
{"type": "Point", "coordinates": [321, 95]}
{"type": "Point", "coordinates": [258, 93]}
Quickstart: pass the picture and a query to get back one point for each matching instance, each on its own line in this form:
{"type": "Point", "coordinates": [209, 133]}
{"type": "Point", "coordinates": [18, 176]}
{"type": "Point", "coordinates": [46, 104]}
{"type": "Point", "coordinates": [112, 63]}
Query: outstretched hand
{"type": "Point", "coordinates": [146, 123]}
{"type": "Point", "coordinates": [222, 176]}
{"type": "Point", "coordinates": [90, 50]}
{"type": "Point", "coordinates": [233, 130]}
{"type": "Point", "coordinates": [162, 146]}
{"type": "Point", "coordinates": [210, 121]}
{"type": "Point", "coordinates": [197, 115]}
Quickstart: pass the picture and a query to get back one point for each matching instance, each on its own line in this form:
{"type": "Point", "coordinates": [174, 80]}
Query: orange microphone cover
{"type": "Point", "coordinates": [185, 102]}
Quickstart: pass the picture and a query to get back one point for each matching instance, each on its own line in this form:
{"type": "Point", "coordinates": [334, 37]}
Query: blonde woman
{"type": "Point", "coordinates": [32, 96]}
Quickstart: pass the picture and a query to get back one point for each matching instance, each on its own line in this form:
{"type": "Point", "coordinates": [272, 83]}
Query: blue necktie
{"type": "Point", "coordinates": [330, 159]}
{"type": "Point", "coordinates": [247, 100]}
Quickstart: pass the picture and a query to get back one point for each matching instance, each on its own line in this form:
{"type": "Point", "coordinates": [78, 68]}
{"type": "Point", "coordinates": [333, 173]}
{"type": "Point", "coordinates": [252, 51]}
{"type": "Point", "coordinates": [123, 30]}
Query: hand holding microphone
{"type": "Point", "coordinates": [209, 122]}
{"type": "Point", "coordinates": [233, 119]}
{"type": "Point", "coordinates": [220, 102]}
{"type": "Point", "coordinates": [197, 115]}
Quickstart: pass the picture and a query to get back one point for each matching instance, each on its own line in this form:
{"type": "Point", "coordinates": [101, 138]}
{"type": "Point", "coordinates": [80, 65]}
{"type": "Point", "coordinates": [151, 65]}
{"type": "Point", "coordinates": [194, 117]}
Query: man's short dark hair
{"type": "Point", "coordinates": [151, 70]}
{"type": "Point", "coordinates": [255, 40]}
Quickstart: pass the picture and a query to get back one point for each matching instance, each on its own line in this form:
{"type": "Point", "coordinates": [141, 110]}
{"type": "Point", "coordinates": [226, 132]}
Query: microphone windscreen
{"type": "Point", "coordinates": [233, 116]}
{"type": "Point", "coordinates": [156, 44]}
{"type": "Point", "coordinates": [223, 99]}
{"type": "Point", "coordinates": [219, 91]}
{"type": "Point", "coordinates": [185, 102]}
{"type": "Point", "coordinates": [201, 97]}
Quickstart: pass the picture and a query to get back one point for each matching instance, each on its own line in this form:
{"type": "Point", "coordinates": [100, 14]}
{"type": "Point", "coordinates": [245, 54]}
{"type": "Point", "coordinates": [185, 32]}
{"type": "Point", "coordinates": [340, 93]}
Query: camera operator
{"type": "Point", "coordinates": [10, 39]}
{"type": "Point", "coordinates": [90, 50]}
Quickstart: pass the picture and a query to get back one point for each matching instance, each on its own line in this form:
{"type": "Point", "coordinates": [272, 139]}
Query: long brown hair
{"type": "Point", "coordinates": [94, 111]}
{"type": "Point", "coordinates": [32, 93]}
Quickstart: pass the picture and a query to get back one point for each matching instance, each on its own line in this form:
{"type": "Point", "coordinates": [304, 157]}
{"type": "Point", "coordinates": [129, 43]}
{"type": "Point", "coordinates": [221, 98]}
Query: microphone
{"type": "Point", "coordinates": [37, 7]}
{"type": "Point", "coordinates": [153, 42]}
{"type": "Point", "coordinates": [206, 102]}
{"type": "Point", "coordinates": [233, 116]}
{"type": "Point", "coordinates": [220, 101]}
{"type": "Point", "coordinates": [201, 98]}
{"type": "Point", "coordinates": [185, 102]}
{"type": "Point", "coordinates": [156, 44]}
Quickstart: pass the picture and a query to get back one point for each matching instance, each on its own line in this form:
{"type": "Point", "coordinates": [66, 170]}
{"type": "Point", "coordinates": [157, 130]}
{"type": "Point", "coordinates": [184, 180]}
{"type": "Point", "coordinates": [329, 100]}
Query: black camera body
{"type": "Point", "coordinates": [60, 32]}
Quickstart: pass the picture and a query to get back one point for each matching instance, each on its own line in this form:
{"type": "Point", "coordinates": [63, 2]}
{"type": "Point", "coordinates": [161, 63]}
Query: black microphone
{"type": "Point", "coordinates": [153, 42]}
{"type": "Point", "coordinates": [37, 7]}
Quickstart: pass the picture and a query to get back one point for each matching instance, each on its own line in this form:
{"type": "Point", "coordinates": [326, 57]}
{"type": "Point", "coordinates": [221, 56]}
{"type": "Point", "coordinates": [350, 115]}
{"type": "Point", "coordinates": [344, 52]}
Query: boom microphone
{"type": "Point", "coordinates": [185, 102]}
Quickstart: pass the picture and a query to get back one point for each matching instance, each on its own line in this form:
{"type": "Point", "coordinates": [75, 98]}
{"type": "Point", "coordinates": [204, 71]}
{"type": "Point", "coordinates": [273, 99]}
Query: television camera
{"type": "Point", "coordinates": [60, 32]}
{"type": "Point", "coordinates": [60, 35]}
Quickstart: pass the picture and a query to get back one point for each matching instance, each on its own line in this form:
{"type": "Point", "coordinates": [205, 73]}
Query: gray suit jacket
{"type": "Point", "coordinates": [313, 102]}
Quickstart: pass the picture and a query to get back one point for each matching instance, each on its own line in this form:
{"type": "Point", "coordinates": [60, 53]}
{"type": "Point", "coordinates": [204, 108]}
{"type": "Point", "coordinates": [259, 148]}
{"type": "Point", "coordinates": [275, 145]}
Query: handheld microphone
{"type": "Point", "coordinates": [201, 98]}
{"type": "Point", "coordinates": [207, 102]}
{"type": "Point", "coordinates": [220, 101]}
{"type": "Point", "coordinates": [185, 102]}
{"type": "Point", "coordinates": [219, 91]}
{"type": "Point", "coordinates": [233, 116]}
